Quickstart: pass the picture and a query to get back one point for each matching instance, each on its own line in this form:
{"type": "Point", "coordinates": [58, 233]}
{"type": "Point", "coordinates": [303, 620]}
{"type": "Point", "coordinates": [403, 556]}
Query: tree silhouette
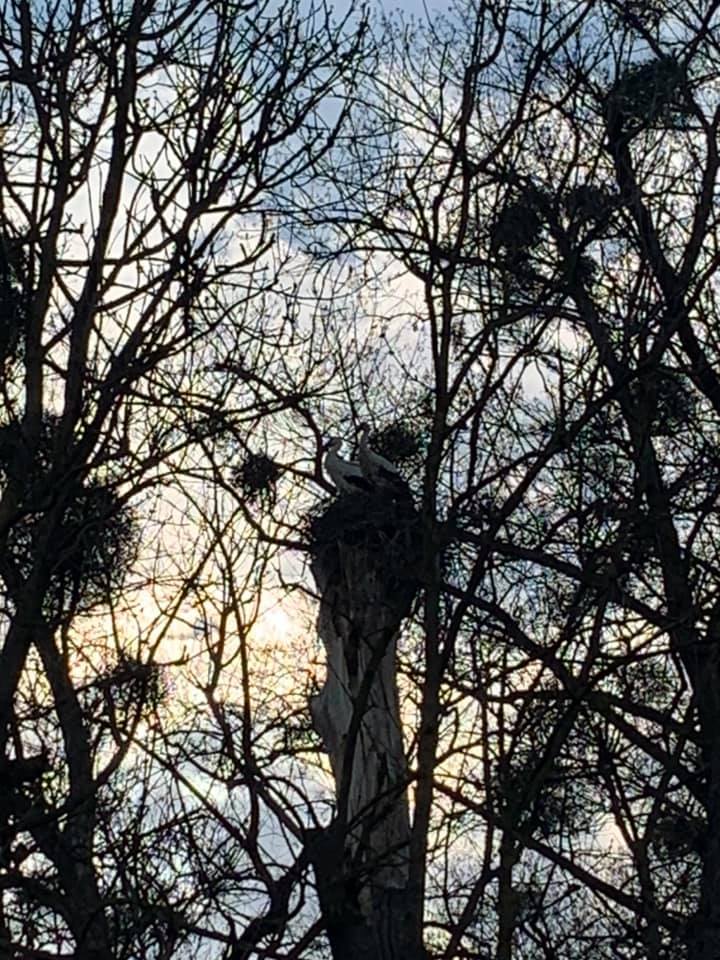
{"type": "Point", "coordinates": [228, 234]}
{"type": "Point", "coordinates": [147, 153]}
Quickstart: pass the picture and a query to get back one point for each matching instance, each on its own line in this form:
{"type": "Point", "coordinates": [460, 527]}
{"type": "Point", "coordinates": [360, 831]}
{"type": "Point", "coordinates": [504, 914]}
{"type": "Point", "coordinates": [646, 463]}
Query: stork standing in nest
{"type": "Point", "coordinates": [347, 476]}
{"type": "Point", "coordinates": [376, 468]}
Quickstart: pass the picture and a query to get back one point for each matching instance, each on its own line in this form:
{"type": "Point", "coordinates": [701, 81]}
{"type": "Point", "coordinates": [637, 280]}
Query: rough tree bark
{"type": "Point", "coordinates": [365, 561]}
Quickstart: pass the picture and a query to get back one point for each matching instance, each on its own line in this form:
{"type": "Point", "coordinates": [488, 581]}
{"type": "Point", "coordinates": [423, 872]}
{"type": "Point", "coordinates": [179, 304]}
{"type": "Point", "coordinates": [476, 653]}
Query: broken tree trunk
{"type": "Point", "coordinates": [365, 558]}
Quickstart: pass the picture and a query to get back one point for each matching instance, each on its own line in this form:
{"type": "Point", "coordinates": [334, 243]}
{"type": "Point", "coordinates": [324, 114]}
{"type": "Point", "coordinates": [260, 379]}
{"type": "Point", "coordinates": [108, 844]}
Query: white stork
{"type": "Point", "coordinates": [346, 475]}
{"type": "Point", "coordinates": [375, 467]}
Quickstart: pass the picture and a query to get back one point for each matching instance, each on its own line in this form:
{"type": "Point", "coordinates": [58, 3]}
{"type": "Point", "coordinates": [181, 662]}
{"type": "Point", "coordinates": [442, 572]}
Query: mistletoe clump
{"type": "Point", "coordinates": [12, 309]}
{"type": "Point", "coordinates": [257, 477]}
{"type": "Point", "coordinates": [648, 94]}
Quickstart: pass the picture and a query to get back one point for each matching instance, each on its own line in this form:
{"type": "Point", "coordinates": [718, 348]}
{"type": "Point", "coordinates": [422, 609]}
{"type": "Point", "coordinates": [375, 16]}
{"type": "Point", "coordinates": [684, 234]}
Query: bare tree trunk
{"type": "Point", "coordinates": [365, 562]}
{"type": "Point", "coordinates": [704, 931]}
{"type": "Point", "coordinates": [506, 899]}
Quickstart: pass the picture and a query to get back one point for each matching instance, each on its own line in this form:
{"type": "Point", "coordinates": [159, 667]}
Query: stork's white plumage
{"type": "Point", "coordinates": [373, 465]}
{"type": "Point", "coordinates": [346, 475]}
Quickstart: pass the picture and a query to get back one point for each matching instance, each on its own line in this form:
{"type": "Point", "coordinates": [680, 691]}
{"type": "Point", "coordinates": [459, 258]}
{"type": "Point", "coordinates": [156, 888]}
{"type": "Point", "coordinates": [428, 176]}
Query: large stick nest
{"type": "Point", "coordinates": [384, 528]}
